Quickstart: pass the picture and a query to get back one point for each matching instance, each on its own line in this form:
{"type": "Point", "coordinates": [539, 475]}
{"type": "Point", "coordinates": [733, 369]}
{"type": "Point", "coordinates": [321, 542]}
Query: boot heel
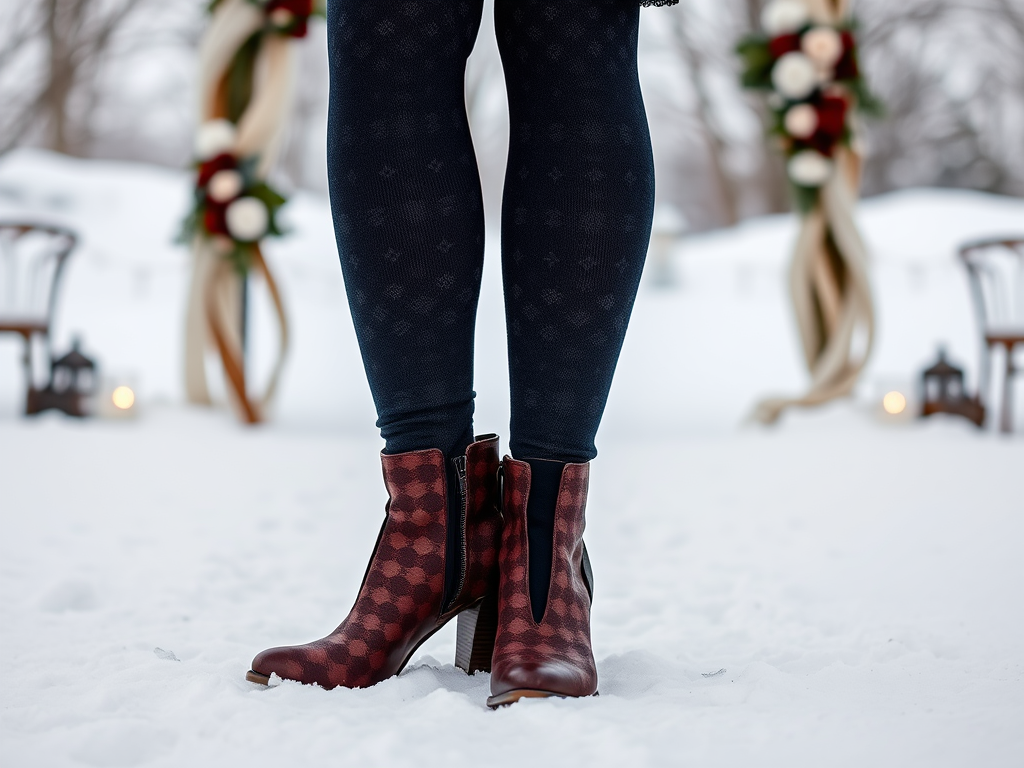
{"type": "Point", "coordinates": [476, 630]}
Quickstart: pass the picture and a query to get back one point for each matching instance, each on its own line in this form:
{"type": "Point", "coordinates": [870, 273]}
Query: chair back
{"type": "Point", "coordinates": [996, 270]}
{"type": "Point", "coordinates": [32, 258]}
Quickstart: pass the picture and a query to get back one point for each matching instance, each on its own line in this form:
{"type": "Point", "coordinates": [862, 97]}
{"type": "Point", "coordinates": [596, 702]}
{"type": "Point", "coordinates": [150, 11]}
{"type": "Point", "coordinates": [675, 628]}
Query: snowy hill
{"type": "Point", "coordinates": [836, 591]}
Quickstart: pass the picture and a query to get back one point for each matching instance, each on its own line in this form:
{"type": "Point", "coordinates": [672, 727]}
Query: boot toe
{"type": "Point", "coordinates": [284, 662]}
{"type": "Point", "coordinates": [550, 675]}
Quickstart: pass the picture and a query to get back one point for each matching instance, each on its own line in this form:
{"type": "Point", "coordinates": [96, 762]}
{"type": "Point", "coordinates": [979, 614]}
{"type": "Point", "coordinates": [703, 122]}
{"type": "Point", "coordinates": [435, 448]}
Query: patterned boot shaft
{"type": "Point", "coordinates": [554, 656]}
{"type": "Point", "coordinates": [483, 524]}
{"type": "Point", "coordinates": [399, 602]}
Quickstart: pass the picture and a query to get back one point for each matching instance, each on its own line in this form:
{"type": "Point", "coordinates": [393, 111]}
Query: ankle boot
{"type": "Point", "coordinates": [552, 657]}
{"type": "Point", "coordinates": [404, 599]}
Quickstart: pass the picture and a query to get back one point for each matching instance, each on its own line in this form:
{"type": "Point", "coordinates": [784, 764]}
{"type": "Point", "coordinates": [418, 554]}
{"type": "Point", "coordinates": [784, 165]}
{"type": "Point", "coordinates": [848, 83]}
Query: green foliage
{"type": "Point", "coordinates": [238, 81]}
{"type": "Point", "coordinates": [262, 191]}
{"type": "Point", "coordinates": [804, 198]}
{"type": "Point", "coordinates": [867, 103]}
{"type": "Point", "coordinates": [273, 200]}
{"type": "Point", "coordinates": [190, 225]}
{"type": "Point", "coordinates": [240, 257]}
{"type": "Point", "coordinates": [757, 62]}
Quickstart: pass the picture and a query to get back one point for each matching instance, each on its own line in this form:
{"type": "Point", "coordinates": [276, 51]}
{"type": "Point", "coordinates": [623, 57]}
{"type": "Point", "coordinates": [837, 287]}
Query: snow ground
{"type": "Point", "coordinates": [857, 582]}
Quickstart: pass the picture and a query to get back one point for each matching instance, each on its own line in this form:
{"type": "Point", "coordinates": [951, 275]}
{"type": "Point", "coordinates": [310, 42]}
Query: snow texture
{"type": "Point", "coordinates": [839, 591]}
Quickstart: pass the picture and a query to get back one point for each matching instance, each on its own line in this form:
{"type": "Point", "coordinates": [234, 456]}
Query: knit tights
{"type": "Point", "coordinates": [408, 213]}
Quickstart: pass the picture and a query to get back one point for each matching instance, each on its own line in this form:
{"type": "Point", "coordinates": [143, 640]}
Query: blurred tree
{"type": "Point", "coordinates": [951, 73]}
{"type": "Point", "coordinates": [114, 78]}
{"type": "Point", "coordinates": [54, 55]}
{"type": "Point", "coordinates": [78, 34]}
{"type": "Point", "coordinates": [697, 62]}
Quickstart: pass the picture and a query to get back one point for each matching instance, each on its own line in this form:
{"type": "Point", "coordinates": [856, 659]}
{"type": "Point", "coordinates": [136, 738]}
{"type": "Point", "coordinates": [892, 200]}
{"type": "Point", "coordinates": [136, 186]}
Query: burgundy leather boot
{"type": "Point", "coordinates": [553, 657]}
{"type": "Point", "coordinates": [403, 600]}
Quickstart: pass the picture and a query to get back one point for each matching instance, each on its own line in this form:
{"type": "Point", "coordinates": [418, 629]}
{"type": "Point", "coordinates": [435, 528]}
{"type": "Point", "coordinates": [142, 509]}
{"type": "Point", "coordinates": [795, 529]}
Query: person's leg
{"type": "Point", "coordinates": [409, 222]}
{"type": "Point", "coordinates": [408, 213]}
{"type": "Point", "coordinates": [576, 217]}
{"type": "Point", "coordinates": [576, 213]}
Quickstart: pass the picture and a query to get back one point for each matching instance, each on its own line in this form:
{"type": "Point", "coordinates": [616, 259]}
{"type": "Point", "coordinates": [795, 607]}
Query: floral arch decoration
{"type": "Point", "coordinates": [245, 80]}
{"type": "Point", "coordinates": [806, 59]}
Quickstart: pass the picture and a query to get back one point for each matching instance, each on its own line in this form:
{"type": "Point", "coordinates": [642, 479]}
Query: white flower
{"type": "Point", "coordinates": [809, 168]}
{"type": "Point", "coordinates": [247, 219]}
{"type": "Point", "coordinates": [795, 76]}
{"type": "Point", "coordinates": [214, 137]}
{"type": "Point", "coordinates": [781, 17]}
{"type": "Point", "coordinates": [224, 186]}
{"type": "Point", "coordinates": [281, 18]}
{"type": "Point", "coordinates": [801, 121]}
{"type": "Point", "coordinates": [823, 46]}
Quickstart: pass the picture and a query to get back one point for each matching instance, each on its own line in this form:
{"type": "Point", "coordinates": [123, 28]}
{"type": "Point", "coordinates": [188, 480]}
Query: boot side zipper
{"type": "Point", "coordinates": [460, 471]}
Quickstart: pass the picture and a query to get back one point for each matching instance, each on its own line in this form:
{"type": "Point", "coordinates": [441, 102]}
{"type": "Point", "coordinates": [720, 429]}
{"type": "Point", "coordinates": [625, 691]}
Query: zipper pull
{"type": "Point", "coordinates": [460, 472]}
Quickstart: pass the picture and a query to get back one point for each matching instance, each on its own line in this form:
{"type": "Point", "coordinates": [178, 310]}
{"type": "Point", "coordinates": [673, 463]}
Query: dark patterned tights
{"type": "Point", "coordinates": [408, 213]}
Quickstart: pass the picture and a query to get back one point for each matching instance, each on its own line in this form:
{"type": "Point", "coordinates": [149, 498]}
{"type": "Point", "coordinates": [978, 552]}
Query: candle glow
{"type": "Point", "coordinates": [123, 398]}
{"type": "Point", "coordinates": [894, 403]}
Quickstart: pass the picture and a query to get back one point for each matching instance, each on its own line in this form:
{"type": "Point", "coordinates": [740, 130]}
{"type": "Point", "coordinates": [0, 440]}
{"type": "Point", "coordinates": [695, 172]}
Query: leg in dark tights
{"type": "Point", "coordinates": [576, 217]}
{"type": "Point", "coordinates": [409, 222]}
{"type": "Point", "coordinates": [408, 216]}
{"type": "Point", "coordinates": [409, 219]}
{"type": "Point", "coordinates": [408, 213]}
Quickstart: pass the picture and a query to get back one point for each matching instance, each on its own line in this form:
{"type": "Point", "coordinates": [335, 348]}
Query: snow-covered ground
{"type": "Point", "coordinates": [836, 591]}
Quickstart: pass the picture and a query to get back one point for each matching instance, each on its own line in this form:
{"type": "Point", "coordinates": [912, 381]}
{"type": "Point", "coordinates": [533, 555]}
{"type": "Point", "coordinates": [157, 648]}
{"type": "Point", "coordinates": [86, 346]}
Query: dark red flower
{"type": "Point", "coordinates": [222, 162]}
{"type": "Point", "coordinates": [215, 218]}
{"type": "Point", "coordinates": [831, 123]}
{"type": "Point", "coordinates": [783, 44]}
{"type": "Point", "coordinates": [847, 67]}
{"type": "Point", "coordinates": [300, 9]}
{"type": "Point", "coordinates": [832, 115]}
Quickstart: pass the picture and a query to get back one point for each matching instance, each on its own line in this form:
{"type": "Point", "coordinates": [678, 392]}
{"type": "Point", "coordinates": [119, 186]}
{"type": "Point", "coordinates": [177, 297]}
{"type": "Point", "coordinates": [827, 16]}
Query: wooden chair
{"type": "Point", "coordinates": [996, 271]}
{"type": "Point", "coordinates": [32, 258]}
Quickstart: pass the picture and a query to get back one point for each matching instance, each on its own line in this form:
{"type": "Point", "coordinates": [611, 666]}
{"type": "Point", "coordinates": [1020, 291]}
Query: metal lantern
{"type": "Point", "coordinates": [943, 392]}
{"type": "Point", "coordinates": [72, 386]}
